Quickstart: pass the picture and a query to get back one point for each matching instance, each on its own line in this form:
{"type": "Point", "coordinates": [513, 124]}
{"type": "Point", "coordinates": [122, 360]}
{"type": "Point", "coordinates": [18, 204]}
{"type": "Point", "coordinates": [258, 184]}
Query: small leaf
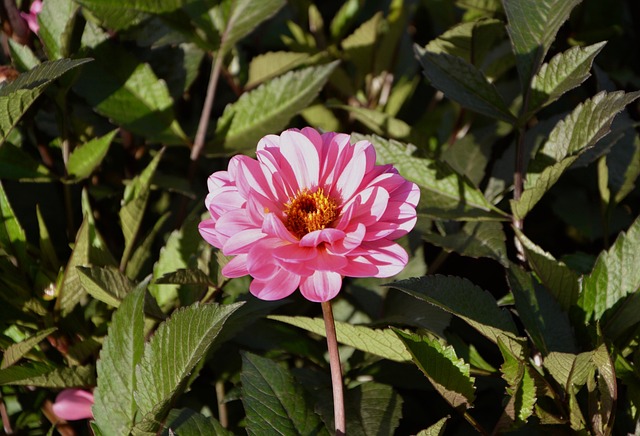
{"type": "Point", "coordinates": [244, 17]}
{"type": "Point", "coordinates": [564, 72]}
{"type": "Point", "coordinates": [448, 374]}
{"type": "Point", "coordinates": [546, 324]}
{"type": "Point", "coordinates": [17, 96]}
{"type": "Point", "coordinates": [119, 15]}
{"type": "Point", "coordinates": [274, 402]}
{"type": "Point", "coordinates": [134, 203]}
{"type": "Point", "coordinates": [186, 422]}
{"type": "Point", "coordinates": [186, 337]}
{"type": "Point", "coordinates": [475, 239]}
{"type": "Point", "coordinates": [444, 194]}
{"type": "Point", "coordinates": [603, 392]}
{"type": "Point", "coordinates": [57, 20]}
{"type": "Point", "coordinates": [142, 254]}
{"type": "Point", "coordinates": [569, 370]}
{"type": "Point", "coordinates": [533, 25]}
{"type": "Point", "coordinates": [614, 276]}
{"type": "Point", "coordinates": [378, 122]}
{"type": "Point", "coordinates": [436, 429]}
{"type": "Point", "coordinates": [47, 250]}
{"type": "Point", "coordinates": [106, 284]}
{"type": "Point", "coordinates": [115, 408]}
{"type": "Point", "coordinates": [15, 352]}
{"type": "Point", "coordinates": [464, 299]}
{"type": "Point", "coordinates": [185, 276]}
{"type": "Point", "coordinates": [15, 164]}
{"type": "Point", "coordinates": [86, 158]}
{"type": "Point", "coordinates": [382, 343]}
{"type": "Point", "coordinates": [269, 107]}
{"type": "Point", "coordinates": [12, 237]}
{"type": "Point", "coordinates": [560, 280]}
{"type": "Point", "coordinates": [271, 64]}
{"type": "Point", "coordinates": [462, 82]}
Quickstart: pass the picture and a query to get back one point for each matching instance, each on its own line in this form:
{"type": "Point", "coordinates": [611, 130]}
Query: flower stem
{"type": "Point", "coordinates": [336, 371]}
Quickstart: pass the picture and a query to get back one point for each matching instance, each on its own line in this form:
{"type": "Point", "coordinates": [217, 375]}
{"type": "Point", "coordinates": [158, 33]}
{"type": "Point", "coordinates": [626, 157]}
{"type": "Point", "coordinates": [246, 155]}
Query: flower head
{"type": "Point", "coordinates": [311, 209]}
{"type": "Point", "coordinates": [32, 17]}
{"type": "Point", "coordinates": [73, 404]}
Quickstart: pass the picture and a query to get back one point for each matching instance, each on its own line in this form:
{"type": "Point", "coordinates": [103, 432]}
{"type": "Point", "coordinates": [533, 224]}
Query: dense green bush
{"type": "Point", "coordinates": [521, 300]}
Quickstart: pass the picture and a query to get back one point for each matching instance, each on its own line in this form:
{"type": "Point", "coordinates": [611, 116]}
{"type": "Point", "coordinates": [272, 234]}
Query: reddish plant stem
{"type": "Point", "coordinates": [336, 370]}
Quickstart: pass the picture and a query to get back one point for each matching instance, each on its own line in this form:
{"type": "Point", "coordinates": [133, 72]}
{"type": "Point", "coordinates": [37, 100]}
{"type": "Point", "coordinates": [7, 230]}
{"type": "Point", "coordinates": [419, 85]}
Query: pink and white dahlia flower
{"type": "Point", "coordinates": [310, 210]}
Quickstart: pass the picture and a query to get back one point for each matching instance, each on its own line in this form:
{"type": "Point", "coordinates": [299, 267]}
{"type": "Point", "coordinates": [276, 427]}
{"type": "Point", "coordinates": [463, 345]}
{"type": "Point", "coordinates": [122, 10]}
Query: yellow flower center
{"type": "Point", "coordinates": [307, 212]}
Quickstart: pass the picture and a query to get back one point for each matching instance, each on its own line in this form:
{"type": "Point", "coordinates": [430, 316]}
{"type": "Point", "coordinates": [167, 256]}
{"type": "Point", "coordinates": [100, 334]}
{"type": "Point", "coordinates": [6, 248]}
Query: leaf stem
{"type": "Point", "coordinates": [336, 371]}
{"type": "Point", "coordinates": [518, 185]}
{"type": "Point", "coordinates": [198, 143]}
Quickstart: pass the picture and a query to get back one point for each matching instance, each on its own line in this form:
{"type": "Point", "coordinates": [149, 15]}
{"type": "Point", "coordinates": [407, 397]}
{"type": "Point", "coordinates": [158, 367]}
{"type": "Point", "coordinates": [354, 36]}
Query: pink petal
{"type": "Point", "coordinates": [280, 286]}
{"type": "Point", "coordinates": [207, 229]}
{"type": "Point", "coordinates": [315, 238]}
{"type": "Point", "coordinates": [364, 158]}
{"type": "Point", "coordinates": [294, 253]}
{"type": "Point", "coordinates": [73, 404]}
{"type": "Point", "coordinates": [236, 267]}
{"type": "Point", "coordinates": [389, 257]}
{"type": "Point", "coordinates": [273, 226]}
{"type": "Point", "coordinates": [321, 286]}
{"type": "Point", "coordinates": [351, 241]}
{"type": "Point", "coordinates": [302, 156]}
{"type": "Point", "coordinates": [241, 242]}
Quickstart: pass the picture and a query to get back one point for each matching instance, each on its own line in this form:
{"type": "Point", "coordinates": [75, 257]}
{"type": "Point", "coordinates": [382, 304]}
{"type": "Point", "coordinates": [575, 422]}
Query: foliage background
{"type": "Point", "coordinates": [523, 314]}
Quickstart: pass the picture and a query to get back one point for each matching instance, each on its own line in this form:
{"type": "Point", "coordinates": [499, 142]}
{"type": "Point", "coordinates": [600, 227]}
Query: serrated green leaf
{"type": "Point", "coordinates": [134, 203]}
{"type": "Point", "coordinates": [268, 108]}
{"type": "Point", "coordinates": [119, 15]}
{"type": "Point", "coordinates": [129, 93]}
{"type": "Point", "coordinates": [382, 343]}
{"type": "Point", "coordinates": [15, 164]}
{"type": "Point", "coordinates": [444, 194]}
{"type": "Point", "coordinates": [436, 429]}
{"type": "Point", "coordinates": [274, 401]}
{"type": "Point", "coordinates": [560, 280]}
{"type": "Point", "coordinates": [186, 422]}
{"type": "Point", "coordinates": [86, 158]}
{"type": "Point", "coordinates": [89, 249]}
{"type": "Point", "coordinates": [448, 374]}
{"type": "Point", "coordinates": [271, 64]}
{"type": "Point", "coordinates": [614, 276]}
{"type": "Point", "coordinates": [244, 17]}
{"type": "Point", "coordinates": [107, 284]}
{"type": "Point", "coordinates": [462, 82]}
{"type": "Point", "coordinates": [564, 72]}
{"type": "Point", "coordinates": [57, 20]}
{"type": "Point", "coordinates": [185, 276]}
{"type": "Point", "coordinates": [45, 376]}
{"type": "Point", "coordinates": [15, 352]}
{"type": "Point", "coordinates": [12, 237]}
{"type": "Point", "coordinates": [186, 337]}
{"type": "Point", "coordinates": [371, 409]}
{"type": "Point", "coordinates": [462, 298]}
{"type": "Point", "coordinates": [603, 392]}
{"type": "Point", "coordinates": [17, 96]}
{"type": "Point", "coordinates": [545, 322]}
{"type": "Point", "coordinates": [532, 26]}
{"type": "Point", "coordinates": [474, 239]}
{"type": "Point", "coordinates": [115, 408]}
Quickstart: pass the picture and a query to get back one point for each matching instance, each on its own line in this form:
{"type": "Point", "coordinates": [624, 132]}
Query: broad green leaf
{"type": "Point", "coordinates": [474, 239]}
{"type": "Point", "coordinates": [23, 57]}
{"type": "Point", "coordinates": [17, 96]}
{"type": "Point", "coordinates": [615, 275]}
{"type": "Point", "coordinates": [244, 17]}
{"type": "Point", "coordinates": [186, 337]}
{"type": "Point", "coordinates": [45, 376]}
{"type": "Point", "coordinates": [108, 284]}
{"type": "Point", "coordinates": [382, 343]}
{"type": "Point", "coordinates": [378, 122]}
{"type": "Point", "coordinates": [129, 93]}
{"type": "Point", "coordinates": [274, 402]}
{"type": "Point", "coordinates": [564, 72]}
{"type": "Point", "coordinates": [115, 408]}
{"type": "Point", "coordinates": [462, 298]}
{"type": "Point", "coordinates": [268, 108]}
{"type": "Point", "coordinates": [436, 429]}
{"type": "Point", "coordinates": [569, 370]}
{"type": "Point", "coordinates": [12, 237]}
{"type": "Point", "coordinates": [134, 203]}
{"type": "Point", "coordinates": [603, 392]}
{"type": "Point", "coordinates": [622, 318]}
{"type": "Point", "coordinates": [581, 129]}
{"type": "Point", "coordinates": [444, 194]}
{"type": "Point", "coordinates": [462, 82]}
{"type": "Point", "coordinates": [271, 64]}
{"type": "Point", "coordinates": [119, 15]}
{"type": "Point", "coordinates": [86, 158]}
{"type": "Point", "coordinates": [545, 322]}
{"type": "Point", "coordinates": [89, 249]}
{"type": "Point", "coordinates": [371, 409]}
{"type": "Point", "coordinates": [57, 20]}
{"type": "Point", "coordinates": [448, 374]}
{"type": "Point", "coordinates": [469, 156]}
{"type": "Point", "coordinates": [521, 386]}
{"type": "Point", "coordinates": [532, 26]}
{"type": "Point", "coordinates": [186, 422]}
{"type": "Point", "coordinates": [15, 164]}
{"type": "Point", "coordinates": [15, 352]}
{"type": "Point", "coordinates": [560, 280]}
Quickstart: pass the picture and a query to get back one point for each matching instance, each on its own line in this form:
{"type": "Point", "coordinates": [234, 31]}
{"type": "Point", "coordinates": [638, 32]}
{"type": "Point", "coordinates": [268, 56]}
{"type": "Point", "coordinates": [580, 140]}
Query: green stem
{"type": "Point", "coordinates": [336, 371]}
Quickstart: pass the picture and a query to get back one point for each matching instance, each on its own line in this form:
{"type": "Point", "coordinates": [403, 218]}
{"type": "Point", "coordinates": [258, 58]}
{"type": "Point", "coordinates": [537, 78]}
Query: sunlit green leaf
{"type": "Point", "coordinates": [268, 108]}
{"type": "Point", "coordinates": [436, 429]}
{"type": "Point", "coordinates": [15, 352]}
{"type": "Point", "coordinates": [244, 17]}
{"type": "Point", "coordinates": [108, 284]}
{"type": "Point", "coordinates": [45, 376]}
{"type": "Point", "coordinates": [57, 20]}
{"type": "Point", "coordinates": [271, 64]}
{"type": "Point", "coordinates": [186, 422]}
{"type": "Point", "coordinates": [86, 158]}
